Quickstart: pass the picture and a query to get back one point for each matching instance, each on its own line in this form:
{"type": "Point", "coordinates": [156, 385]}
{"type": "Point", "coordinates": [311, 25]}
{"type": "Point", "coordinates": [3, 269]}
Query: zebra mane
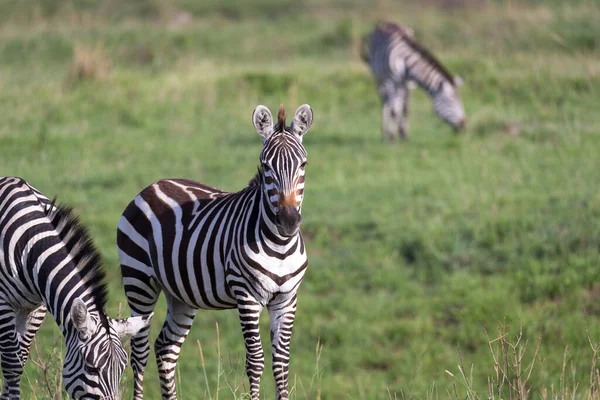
{"type": "Point", "coordinates": [392, 27]}
{"type": "Point", "coordinates": [81, 248]}
{"type": "Point", "coordinates": [407, 35]}
{"type": "Point", "coordinates": [280, 126]}
{"type": "Point", "coordinates": [257, 178]}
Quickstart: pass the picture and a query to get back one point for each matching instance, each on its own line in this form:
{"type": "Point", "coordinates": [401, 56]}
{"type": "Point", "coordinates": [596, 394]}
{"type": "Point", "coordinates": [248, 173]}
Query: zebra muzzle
{"type": "Point", "coordinates": [288, 221]}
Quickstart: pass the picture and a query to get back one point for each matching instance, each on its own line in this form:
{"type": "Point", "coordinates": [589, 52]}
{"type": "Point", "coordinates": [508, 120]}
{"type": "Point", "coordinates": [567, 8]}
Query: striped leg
{"type": "Point", "coordinates": [249, 312]}
{"type": "Point", "coordinates": [282, 310]}
{"type": "Point", "coordinates": [23, 330]}
{"type": "Point", "coordinates": [391, 119]}
{"type": "Point", "coordinates": [142, 298]}
{"type": "Point", "coordinates": [404, 118]}
{"type": "Point", "coordinates": [27, 327]}
{"type": "Point", "coordinates": [12, 365]}
{"type": "Point", "coordinates": [168, 344]}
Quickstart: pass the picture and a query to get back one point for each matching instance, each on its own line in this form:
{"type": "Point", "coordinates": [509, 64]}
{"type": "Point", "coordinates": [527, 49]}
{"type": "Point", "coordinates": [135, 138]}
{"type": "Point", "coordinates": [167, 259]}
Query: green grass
{"type": "Point", "coordinates": [413, 248]}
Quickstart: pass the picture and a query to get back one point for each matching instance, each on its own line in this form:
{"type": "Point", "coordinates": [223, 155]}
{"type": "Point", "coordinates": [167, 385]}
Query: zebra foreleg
{"type": "Point", "coordinates": [249, 312]}
{"type": "Point", "coordinates": [11, 362]}
{"type": "Point", "coordinates": [282, 311]}
{"type": "Point", "coordinates": [27, 327]}
{"type": "Point", "coordinates": [167, 347]}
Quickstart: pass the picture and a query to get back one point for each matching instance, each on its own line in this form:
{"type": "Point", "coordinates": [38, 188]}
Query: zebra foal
{"type": "Point", "coordinates": [397, 63]}
{"type": "Point", "coordinates": [210, 249]}
{"type": "Point", "coordinates": [48, 263]}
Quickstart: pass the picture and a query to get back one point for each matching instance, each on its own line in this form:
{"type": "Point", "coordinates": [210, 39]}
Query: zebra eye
{"type": "Point", "coordinates": [90, 370]}
{"type": "Point", "coordinates": [304, 164]}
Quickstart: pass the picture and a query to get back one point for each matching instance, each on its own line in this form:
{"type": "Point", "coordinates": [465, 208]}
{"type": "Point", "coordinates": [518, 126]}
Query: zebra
{"type": "Point", "coordinates": [49, 263]}
{"type": "Point", "coordinates": [398, 64]}
{"type": "Point", "coordinates": [210, 249]}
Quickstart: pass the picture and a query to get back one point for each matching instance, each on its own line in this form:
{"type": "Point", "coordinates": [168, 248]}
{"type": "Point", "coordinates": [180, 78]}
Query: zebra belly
{"type": "Point", "coordinates": [197, 285]}
{"type": "Point", "coordinates": [16, 294]}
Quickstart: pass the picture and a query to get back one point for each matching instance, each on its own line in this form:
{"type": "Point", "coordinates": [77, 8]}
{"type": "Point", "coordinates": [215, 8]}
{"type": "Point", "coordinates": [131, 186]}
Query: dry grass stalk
{"type": "Point", "coordinates": [53, 383]}
{"type": "Point", "coordinates": [509, 365]}
{"type": "Point", "coordinates": [594, 390]}
{"type": "Point", "coordinates": [203, 365]}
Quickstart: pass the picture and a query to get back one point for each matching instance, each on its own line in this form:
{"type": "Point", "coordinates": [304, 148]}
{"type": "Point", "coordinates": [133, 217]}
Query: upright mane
{"type": "Point", "coordinates": [257, 178]}
{"type": "Point", "coordinates": [79, 244]}
{"type": "Point", "coordinates": [392, 28]}
{"type": "Point", "coordinates": [280, 126]}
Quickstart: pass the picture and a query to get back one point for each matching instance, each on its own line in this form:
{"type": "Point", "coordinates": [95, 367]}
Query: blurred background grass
{"type": "Point", "coordinates": [413, 248]}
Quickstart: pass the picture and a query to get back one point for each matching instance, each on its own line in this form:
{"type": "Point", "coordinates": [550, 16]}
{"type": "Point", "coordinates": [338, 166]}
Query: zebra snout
{"type": "Point", "coordinates": [288, 221]}
{"type": "Point", "coordinates": [461, 124]}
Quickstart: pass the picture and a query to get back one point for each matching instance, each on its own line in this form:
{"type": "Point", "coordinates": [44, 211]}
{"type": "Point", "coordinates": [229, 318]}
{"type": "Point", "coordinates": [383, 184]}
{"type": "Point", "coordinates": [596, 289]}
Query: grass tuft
{"type": "Point", "coordinates": [88, 64]}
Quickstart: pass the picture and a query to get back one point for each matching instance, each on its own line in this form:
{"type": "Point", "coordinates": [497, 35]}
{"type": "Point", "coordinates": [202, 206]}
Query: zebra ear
{"type": "Point", "coordinates": [458, 82]}
{"type": "Point", "coordinates": [263, 121]}
{"type": "Point", "coordinates": [302, 120]}
{"type": "Point", "coordinates": [80, 316]}
{"type": "Point", "coordinates": [132, 325]}
{"type": "Point", "coordinates": [408, 31]}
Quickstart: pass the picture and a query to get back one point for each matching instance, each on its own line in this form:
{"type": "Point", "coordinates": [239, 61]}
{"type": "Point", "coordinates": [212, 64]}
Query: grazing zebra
{"type": "Point", "coordinates": [48, 262]}
{"type": "Point", "coordinates": [397, 62]}
{"type": "Point", "coordinates": [211, 249]}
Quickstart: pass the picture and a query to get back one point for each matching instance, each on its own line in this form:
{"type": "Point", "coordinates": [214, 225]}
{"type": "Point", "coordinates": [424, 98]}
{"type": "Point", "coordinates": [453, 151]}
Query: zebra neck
{"type": "Point", "coordinates": [432, 83]}
{"type": "Point", "coordinates": [424, 68]}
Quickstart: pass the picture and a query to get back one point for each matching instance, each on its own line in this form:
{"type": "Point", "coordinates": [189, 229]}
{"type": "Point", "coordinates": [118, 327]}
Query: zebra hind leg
{"type": "Point", "coordinates": [391, 110]}
{"type": "Point", "coordinates": [167, 347]}
{"type": "Point", "coordinates": [403, 129]}
{"type": "Point", "coordinates": [11, 362]}
{"type": "Point", "coordinates": [389, 122]}
{"type": "Point", "coordinates": [142, 297]}
{"type": "Point", "coordinates": [404, 117]}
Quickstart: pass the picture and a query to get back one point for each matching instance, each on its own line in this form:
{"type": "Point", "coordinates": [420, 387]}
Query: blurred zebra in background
{"type": "Point", "coordinates": [209, 249]}
{"type": "Point", "coordinates": [48, 263]}
{"type": "Point", "coordinates": [397, 63]}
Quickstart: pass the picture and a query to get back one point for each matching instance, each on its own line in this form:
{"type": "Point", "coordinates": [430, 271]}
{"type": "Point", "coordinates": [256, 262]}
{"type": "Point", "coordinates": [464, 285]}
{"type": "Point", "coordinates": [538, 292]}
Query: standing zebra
{"type": "Point", "coordinates": [48, 262]}
{"type": "Point", "coordinates": [397, 62]}
{"type": "Point", "coordinates": [216, 250]}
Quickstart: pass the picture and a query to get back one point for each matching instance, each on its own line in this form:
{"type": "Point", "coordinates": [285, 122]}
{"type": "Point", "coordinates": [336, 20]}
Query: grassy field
{"type": "Point", "coordinates": [416, 250]}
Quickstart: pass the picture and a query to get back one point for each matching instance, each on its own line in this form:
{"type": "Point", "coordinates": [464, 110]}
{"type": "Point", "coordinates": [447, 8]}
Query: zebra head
{"type": "Point", "coordinates": [447, 104]}
{"type": "Point", "coordinates": [95, 357]}
{"type": "Point", "coordinates": [283, 160]}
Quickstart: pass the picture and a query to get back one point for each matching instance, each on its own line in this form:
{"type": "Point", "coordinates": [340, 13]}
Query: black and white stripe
{"type": "Point", "coordinates": [397, 62]}
{"type": "Point", "coordinates": [210, 249]}
{"type": "Point", "coordinates": [48, 263]}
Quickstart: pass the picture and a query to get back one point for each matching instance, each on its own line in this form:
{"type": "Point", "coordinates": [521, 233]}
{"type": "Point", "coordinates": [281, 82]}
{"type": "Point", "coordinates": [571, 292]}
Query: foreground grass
{"type": "Point", "coordinates": [414, 248]}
